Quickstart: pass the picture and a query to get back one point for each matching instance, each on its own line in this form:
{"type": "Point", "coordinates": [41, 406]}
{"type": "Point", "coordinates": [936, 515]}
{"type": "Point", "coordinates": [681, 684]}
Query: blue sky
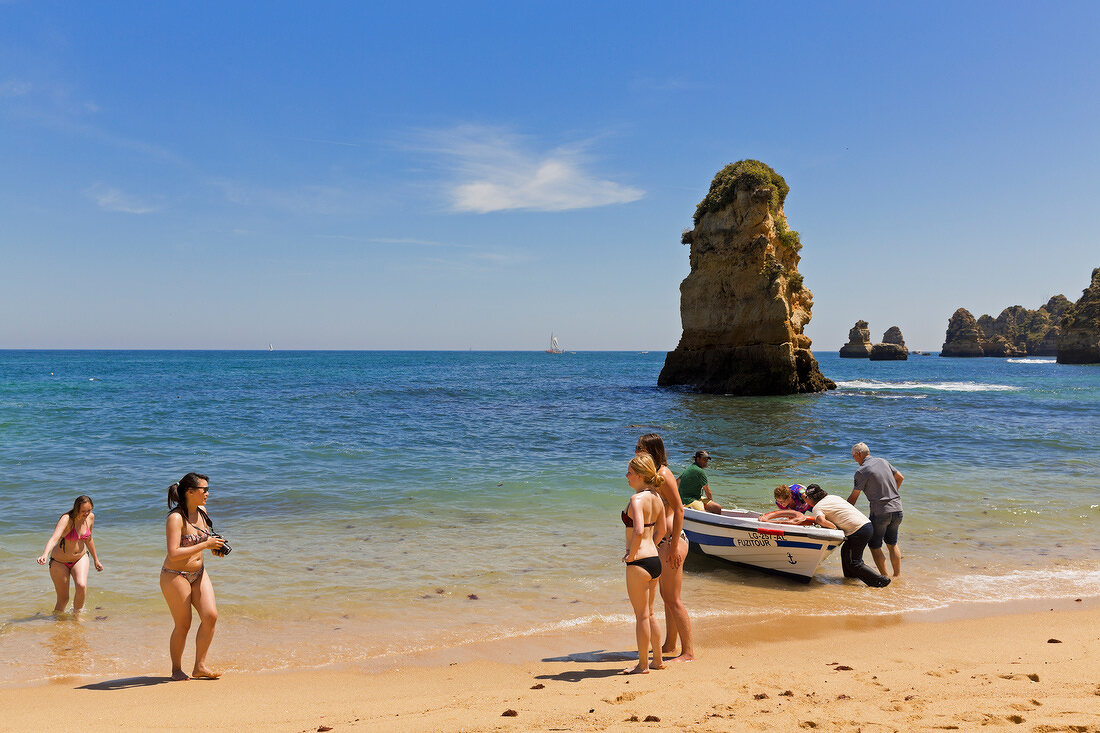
{"type": "Point", "coordinates": [475, 175]}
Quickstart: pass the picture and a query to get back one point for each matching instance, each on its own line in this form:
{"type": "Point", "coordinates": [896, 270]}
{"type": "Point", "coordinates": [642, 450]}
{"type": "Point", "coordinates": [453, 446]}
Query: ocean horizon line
{"type": "Point", "coordinates": [174, 350]}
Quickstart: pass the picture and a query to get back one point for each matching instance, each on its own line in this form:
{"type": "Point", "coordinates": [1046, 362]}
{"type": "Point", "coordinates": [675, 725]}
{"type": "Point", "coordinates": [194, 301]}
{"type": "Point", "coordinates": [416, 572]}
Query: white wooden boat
{"type": "Point", "coordinates": [739, 536]}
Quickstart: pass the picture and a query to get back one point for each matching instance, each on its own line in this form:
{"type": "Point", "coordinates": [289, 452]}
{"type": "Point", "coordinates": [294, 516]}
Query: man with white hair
{"type": "Point", "coordinates": [880, 481]}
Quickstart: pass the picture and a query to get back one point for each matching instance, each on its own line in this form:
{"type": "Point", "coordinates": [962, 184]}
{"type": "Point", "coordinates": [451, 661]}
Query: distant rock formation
{"type": "Point", "coordinates": [892, 347]}
{"type": "Point", "coordinates": [859, 342]}
{"type": "Point", "coordinates": [743, 305]}
{"type": "Point", "coordinates": [1017, 331]}
{"type": "Point", "coordinates": [964, 338]}
{"type": "Point", "coordinates": [999, 346]}
{"type": "Point", "coordinates": [1079, 340]}
{"type": "Point", "coordinates": [1047, 344]}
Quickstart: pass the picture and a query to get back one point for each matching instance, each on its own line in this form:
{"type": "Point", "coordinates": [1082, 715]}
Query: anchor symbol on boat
{"type": "Point", "coordinates": [791, 560]}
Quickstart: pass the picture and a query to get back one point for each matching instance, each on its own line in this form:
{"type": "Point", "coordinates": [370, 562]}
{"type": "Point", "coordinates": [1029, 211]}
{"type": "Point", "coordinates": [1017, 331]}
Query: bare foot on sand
{"type": "Point", "coordinates": [656, 665]}
{"type": "Point", "coordinates": [635, 670]}
{"type": "Point", "coordinates": [178, 675]}
{"type": "Point", "coordinates": [682, 658]}
{"type": "Point", "coordinates": [202, 673]}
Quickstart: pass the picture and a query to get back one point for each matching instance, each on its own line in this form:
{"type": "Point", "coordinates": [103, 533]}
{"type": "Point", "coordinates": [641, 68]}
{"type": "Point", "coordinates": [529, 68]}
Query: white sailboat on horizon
{"type": "Point", "coordinates": [555, 347]}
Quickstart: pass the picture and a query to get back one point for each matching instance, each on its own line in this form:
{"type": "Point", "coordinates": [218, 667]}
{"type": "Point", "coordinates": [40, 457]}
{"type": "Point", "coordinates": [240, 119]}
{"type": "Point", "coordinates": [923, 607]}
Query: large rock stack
{"type": "Point", "coordinates": [1079, 341]}
{"type": "Point", "coordinates": [963, 338]}
{"type": "Point", "coordinates": [892, 347]}
{"type": "Point", "coordinates": [859, 342]}
{"type": "Point", "coordinates": [1017, 331]}
{"type": "Point", "coordinates": [743, 305]}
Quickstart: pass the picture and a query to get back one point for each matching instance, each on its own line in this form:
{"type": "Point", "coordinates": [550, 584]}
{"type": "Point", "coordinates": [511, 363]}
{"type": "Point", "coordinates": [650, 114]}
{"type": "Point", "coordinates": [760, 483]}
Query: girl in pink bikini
{"type": "Point", "coordinates": [67, 553]}
{"type": "Point", "coordinates": [183, 577]}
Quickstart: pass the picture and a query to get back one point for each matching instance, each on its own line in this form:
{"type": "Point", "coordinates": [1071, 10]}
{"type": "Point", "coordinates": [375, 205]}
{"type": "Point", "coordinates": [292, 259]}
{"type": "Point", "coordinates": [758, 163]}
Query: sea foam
{"type": "Point", "coordinates": [874, 384]}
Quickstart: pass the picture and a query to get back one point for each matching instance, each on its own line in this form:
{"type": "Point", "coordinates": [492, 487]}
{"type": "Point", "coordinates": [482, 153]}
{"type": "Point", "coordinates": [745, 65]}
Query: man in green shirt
{"type": "Point", "coordinates": [693, 484]}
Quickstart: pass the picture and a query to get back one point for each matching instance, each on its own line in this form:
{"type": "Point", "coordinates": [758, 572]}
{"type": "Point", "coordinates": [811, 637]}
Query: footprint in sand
{"type": "Point", "coordinates": [941, 672]}
{"type": "Point", "coordinates": [625, 697]}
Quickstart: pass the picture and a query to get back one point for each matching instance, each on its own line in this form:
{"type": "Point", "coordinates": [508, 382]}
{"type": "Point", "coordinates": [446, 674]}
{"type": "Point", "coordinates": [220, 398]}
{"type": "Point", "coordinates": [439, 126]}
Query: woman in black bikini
{"type": "Point", "coordinates": [644, 517]}
{"type": "Point", "coordinates": [183, 578]}
{"type": "Point", "coordinates": [68, 551]}
{"type": "Point", "coordinates": [673, 550]}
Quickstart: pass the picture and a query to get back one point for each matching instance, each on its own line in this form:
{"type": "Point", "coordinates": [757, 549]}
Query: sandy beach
{"type": "Point", "coordinates": [881, 673]}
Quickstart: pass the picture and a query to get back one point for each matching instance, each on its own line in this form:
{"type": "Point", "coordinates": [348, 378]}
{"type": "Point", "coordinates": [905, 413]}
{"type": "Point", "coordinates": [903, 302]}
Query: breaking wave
{"type": "Point", "coordinates": [874, 384]}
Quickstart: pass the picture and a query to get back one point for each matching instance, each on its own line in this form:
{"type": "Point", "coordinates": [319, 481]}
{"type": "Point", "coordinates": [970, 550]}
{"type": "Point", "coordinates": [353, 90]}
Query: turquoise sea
{"type": "Point", "coordinates": [368, 495]}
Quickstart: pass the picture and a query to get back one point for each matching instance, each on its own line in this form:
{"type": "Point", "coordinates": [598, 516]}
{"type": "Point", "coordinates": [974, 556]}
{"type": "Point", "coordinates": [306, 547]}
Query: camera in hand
{"type": "Point", "coordinates": [224, 549]}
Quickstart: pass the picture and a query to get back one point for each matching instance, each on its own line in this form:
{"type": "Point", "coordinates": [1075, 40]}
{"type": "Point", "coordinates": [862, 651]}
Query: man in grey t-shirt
{"type": "Point", "coordinates": [880, 481]}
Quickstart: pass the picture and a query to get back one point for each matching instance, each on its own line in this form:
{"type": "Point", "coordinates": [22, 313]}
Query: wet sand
{"type": "Point", "coordinates": [838, 674]}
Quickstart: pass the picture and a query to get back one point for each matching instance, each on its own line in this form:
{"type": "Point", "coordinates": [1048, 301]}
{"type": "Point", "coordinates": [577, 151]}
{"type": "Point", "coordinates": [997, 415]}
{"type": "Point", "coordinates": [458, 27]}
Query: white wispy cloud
{"type": "Point", "coordinates": [110, 198]}
{"type": "Point", "coordinates": [497, 170]}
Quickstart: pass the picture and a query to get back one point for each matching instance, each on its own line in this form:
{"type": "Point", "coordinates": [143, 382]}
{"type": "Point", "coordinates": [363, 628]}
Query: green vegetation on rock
{"type": "Point", "coordinates": [787, 236]}
{"type": "Point", "coordinates": [747, 175]}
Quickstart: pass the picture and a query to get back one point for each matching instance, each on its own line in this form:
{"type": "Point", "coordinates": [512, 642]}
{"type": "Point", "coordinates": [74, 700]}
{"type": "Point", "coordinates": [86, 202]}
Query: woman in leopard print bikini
{"type": "Point", "coordinates": [183, 577]}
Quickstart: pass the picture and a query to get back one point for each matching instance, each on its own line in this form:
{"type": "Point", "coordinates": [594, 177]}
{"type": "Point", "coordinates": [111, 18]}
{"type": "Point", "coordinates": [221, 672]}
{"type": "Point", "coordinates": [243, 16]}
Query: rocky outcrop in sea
{"type": "Point", "coordinates": [743, 305]}
{"type": "Point", "coordinates": [1017, 331]}
{"type": "Point", "coordinates": [963, 336]}
{"type": "Point", "coordinates": [1079, 340]}
{"type": "Point", "coordinates": [859, 342]}
{"type": "Point", "coordinates": [892, 347]}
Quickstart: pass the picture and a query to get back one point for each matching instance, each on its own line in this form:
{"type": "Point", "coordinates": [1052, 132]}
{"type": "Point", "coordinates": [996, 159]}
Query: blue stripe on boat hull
{"type": "Point", "coordinates": [709, 539]}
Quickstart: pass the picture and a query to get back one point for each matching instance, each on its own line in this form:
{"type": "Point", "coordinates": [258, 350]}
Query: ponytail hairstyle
{"type": "Point", "coordinates": [71, 514]}
{"type": "Point", "coordinates": [642, 464]}
{"type": "Point", "coordinates": [652, 444]}
{"type": "Point", "coordinates": [178, 490]}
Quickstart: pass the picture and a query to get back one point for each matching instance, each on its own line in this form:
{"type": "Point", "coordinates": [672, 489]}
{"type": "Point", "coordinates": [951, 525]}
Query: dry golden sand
{"type": "Point", "coordinates": [879, 674]}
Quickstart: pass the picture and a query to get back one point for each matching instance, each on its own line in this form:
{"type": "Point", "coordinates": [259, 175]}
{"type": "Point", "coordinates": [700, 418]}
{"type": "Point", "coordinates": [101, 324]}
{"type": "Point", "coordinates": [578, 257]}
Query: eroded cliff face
{"type": "Point", "coordinates": [1079, 341]}
{"type": "Point", "coordinates": [892, 347]}
{"type": "Point", "coordinates": [1017, 331]}
{"type": "Point", "coordinates": [963, 336]}
{"type": "Point", "coordinates": [743, 306]}
{"type": "Point", "coordinates": [859, 342]}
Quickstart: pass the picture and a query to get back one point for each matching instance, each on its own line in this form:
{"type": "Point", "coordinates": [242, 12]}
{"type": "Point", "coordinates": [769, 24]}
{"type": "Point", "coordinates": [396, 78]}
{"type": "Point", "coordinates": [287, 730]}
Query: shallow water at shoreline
{"type": "Point", "coordinates": [354, 486]}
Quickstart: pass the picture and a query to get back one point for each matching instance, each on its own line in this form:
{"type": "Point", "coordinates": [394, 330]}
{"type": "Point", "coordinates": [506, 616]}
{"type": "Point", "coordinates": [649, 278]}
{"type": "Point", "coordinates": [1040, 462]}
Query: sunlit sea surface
{"type": "Point", "coordinates": [368, 495]}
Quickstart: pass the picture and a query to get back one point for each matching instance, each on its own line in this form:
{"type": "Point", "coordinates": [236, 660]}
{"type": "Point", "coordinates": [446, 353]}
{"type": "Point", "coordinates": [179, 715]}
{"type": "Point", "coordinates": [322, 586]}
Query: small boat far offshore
{"type": "Point", "coordinates": [555, 347]}
{"type": "Point", "coordinates": [740, 537]}
{"type": "Point", "coordinates": [270, 347]}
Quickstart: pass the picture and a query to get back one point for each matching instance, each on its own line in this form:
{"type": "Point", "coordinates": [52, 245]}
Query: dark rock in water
{"type": "Point", "coordinates": [892, 347]}
{"type": "Point", "coordinates": [963, 336]}
{"type": "Point", "coordinates": [888, 352]}
{"type": "Point", "coordinates": [859, 342]}
{"type": "Point", "coordinates": [743, 305]}
{"type": "Point", "coordinates": [1079, 341]}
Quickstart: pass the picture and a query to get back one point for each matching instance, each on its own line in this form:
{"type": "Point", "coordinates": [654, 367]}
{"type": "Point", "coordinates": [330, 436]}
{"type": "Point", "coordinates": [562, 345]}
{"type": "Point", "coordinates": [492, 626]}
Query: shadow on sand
{"type": "Point", "coordinates": [126, 683]}
{"type": "Point", "coordinates": [600, 655]}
